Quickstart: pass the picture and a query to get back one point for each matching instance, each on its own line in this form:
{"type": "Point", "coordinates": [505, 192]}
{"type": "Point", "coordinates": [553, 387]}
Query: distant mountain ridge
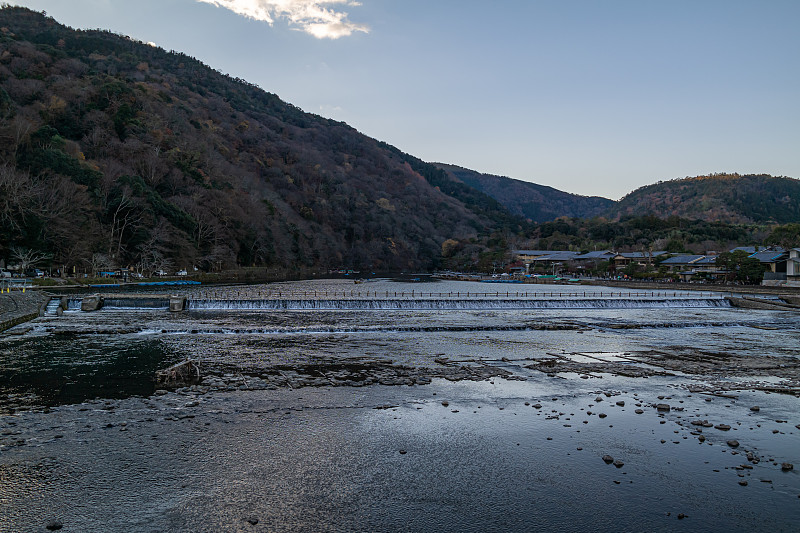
{"type": "Point", "coordinates": [729, 198]}
{"type": "Point", "coordinates": [539, 203]}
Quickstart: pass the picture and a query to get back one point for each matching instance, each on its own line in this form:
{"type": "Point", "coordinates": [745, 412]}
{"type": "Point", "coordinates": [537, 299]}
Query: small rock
{"type": "Point", "coordinates": [733, 443]}
{"type": "Point", "coordinates": [403, 452]}
{"type": "Point", "coordinates": [537, 406]}
{"type": "Point", "coordinates": [608, 459]}
{"type": "Point", "coordinates": [445, 403]}
{"type": "Point", "coordinates": [755, 408]}
{"type": "Point", "coordinates": [602, 415]}
{"type": "Point", "coordinates": [639, 411]}
{"type": "Point", "coordinates": [662, 407]}
{"type": "Point", "coordinates": [787, 466]}
{"type": "Point", "coordinates": [743, 483]}
{"type": "Point", "coordinates": [252, 520]}
{"type": "Point", "coordinates": [681, 516]}
{"type": "Point", "coordinates": [621, 403]}
{"type": "Point", "coordinates": [598, 399]}
{"type": "Point", "coordinates": [54, 525]}
{"type": "Point", "coordinates": [618, 463]}
{"type": "Point", "coordinates": [722, 427]}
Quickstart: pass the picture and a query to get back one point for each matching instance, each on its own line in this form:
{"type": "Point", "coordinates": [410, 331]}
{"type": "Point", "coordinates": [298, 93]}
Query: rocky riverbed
{"type": "Point", "coordinates": [451, 456]}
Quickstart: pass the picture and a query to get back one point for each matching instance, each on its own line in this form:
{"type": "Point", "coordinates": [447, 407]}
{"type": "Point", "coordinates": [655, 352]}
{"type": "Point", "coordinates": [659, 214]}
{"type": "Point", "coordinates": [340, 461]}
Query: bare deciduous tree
{"type": "Point", "coordinates": [126, 215]}
{"type": "Point", "coordinates": [27, 258]}
{"type": "Point", "coordinates": [16, 191]}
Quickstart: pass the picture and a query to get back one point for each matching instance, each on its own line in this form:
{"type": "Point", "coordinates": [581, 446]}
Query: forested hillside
{"type": "Point", "coordinates": [730, 198]}
{"type": "Point", "coordinates": [644, 233]}
{"type": "Point", "coordinates": [115, 153]}
{"type": "Point", "coordinates": [537, 203]}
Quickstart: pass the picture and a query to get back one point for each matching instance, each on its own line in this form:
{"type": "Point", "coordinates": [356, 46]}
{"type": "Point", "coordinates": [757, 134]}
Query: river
{"type": "Point", "coordinates": [471, 407]}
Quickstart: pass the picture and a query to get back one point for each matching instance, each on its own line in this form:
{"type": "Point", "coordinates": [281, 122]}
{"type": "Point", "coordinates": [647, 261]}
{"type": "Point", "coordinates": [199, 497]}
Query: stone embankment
{"type": "Point", "coordinates": [17, 307]}
{"type": "Point", "coordinates": [746, 302]}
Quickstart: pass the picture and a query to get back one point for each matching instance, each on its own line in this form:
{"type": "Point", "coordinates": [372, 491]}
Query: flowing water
{"type": "Point", "coordinates": [286, 432]}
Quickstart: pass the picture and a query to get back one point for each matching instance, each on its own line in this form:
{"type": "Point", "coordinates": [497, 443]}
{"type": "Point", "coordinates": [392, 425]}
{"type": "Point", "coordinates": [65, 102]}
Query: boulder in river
{"type": "Point", "coordinates": [177, 303]}
{"type": "Point", "coordinates": [92, 303]}
{"type": "Point", "coordinates": [179, 375]}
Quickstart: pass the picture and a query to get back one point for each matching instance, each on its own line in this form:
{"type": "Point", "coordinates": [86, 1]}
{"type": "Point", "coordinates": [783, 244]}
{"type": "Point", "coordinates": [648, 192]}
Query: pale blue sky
{"type": "Point", "coordinates": [592, 97]}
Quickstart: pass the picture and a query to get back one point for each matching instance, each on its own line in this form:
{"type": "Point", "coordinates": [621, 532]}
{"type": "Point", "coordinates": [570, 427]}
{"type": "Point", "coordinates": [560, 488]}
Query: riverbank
{"type": "Point", "coordinates": [702, 287]}
{"type": "Point", "coordinates": [17, 307]}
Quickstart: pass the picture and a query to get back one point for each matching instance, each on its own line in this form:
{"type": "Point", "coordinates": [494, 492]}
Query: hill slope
{"type": "Point", "coordinates": [116, 153]}
{"type": "Point", "coordinates": [730, 198]}
{"type": "Point", "coordinates": [538, 203]}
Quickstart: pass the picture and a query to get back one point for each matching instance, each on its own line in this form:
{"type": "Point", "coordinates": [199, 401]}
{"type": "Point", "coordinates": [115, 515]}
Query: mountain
{"type": "Point", "coordinates": [116, 153]}
{"type": "Point", "coordinates": [537, 203]}
{"type": "Point", "coordinates": [729, 198]}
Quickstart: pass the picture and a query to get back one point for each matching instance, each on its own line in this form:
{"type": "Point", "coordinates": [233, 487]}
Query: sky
{"type": "Point", "coordinates": [594, 97]}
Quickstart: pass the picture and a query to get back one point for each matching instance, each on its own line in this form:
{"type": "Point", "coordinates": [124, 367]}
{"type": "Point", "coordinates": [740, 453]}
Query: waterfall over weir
{"type": "Point", "coordinates": [143, 302]}
{"type": "Point", "coordinates": [452, 304]}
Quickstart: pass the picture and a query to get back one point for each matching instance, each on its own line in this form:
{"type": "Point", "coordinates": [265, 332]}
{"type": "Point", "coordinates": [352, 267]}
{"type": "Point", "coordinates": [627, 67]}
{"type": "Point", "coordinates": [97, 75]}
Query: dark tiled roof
{"type": "Point", "coordinates": [595, 255]}
{"type": "Point", "coordinates": [706, 260]}
{"type": "Point", "coordinates": [558, 256]}
{"type": "Point", "coordinates": [536, 252]}
{"type": "Point", "coordinates": [769, 256]}
{"type": "Point", "coordinates": [682, 260]}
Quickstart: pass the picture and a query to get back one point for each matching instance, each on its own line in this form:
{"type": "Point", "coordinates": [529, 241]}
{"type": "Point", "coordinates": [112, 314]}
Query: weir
{"type": "Point", "coordinates": [450, 304]}
{"type": "Point", "coordinates": [143, 302]}
{"type": "Point", "coordinates": [429, 302]}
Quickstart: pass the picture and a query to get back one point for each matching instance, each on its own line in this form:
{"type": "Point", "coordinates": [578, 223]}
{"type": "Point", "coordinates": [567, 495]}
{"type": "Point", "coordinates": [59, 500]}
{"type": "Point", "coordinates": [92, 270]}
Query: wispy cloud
{"type": "Point", "coordinates": [321, 18]}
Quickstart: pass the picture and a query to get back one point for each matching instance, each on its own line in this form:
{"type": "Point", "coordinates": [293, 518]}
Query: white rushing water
{"type": "Point", "coordinates": [453, 304]}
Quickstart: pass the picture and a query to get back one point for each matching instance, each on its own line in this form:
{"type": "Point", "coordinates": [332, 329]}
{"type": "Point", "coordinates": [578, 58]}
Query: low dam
{"type": "Point", "coordinates": [399, 301]}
